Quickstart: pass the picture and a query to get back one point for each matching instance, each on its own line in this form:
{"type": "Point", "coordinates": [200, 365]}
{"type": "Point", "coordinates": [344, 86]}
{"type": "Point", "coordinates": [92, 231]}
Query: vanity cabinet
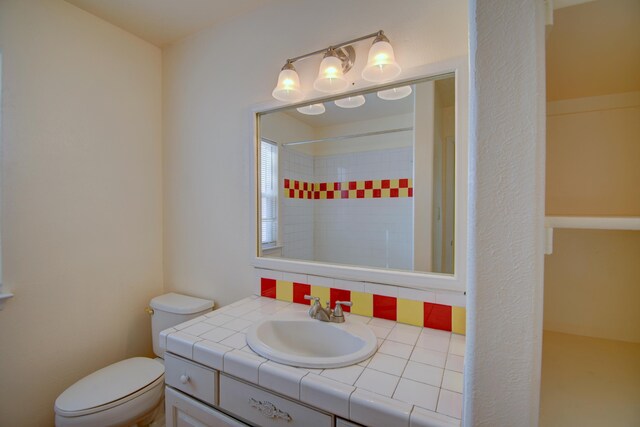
{"type": "Point", "coordinates": [199, 396]}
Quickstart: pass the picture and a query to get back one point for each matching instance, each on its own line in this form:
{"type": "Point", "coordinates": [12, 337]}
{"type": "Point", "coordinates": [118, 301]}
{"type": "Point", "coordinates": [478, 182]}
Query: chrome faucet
{"type": "Point", "coordinates": [326, 314]}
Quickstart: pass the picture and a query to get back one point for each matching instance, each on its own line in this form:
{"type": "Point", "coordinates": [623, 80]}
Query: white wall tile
{"type": "Point", "coordinates": [379, 289]}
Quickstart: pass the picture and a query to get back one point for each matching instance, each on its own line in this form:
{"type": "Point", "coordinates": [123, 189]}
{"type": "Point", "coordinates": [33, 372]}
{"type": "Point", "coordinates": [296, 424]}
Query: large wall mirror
{"type": "Point", "coordinates": [366, 181]}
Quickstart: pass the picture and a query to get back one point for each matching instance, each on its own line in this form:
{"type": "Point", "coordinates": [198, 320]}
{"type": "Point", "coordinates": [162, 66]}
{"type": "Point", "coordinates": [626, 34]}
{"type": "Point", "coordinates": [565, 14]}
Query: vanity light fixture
{"type": "Point", "coordinates": [350, 101]}
{"type": "Point", "coordinates": [312, 110]}
{"type": "Point", "coordinates": [395, 93]}
{"type": "Point", "coordinates": [338, 60]}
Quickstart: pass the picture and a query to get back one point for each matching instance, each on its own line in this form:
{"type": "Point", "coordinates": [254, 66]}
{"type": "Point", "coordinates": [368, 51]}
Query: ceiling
{"type": "Point", "coordinates": [161, 22]}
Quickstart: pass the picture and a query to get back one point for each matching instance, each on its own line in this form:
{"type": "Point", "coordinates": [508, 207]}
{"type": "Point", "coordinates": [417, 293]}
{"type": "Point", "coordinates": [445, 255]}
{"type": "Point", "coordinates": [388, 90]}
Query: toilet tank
{"type": "Point", "coordinates": [172, 309]}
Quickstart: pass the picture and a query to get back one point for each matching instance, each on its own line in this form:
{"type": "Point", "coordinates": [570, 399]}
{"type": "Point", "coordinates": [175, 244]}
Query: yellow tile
{"type": "Point", "coordinates": [459, 320]}
{"type": "Point", "coordinates": [316, 186]}
{"type": "Point", "coordinates": [403, 192]}
{"type": "Point", "coordinates": [411, 312]}
{"type": "Point", "coordinates": [362, 303]}
{"type": "Point", "coordinates": [352, 194]}
{"type": "Point", "coordinates": [360, 185]}
{"type": "Point", "coordinates": [395, 183]}
{"type": "Point", "coordinates": [368, 194]}
{"type": "Point", "coordinates": [284, 290]}
{"type": "Point", "coordinates": [410, 183]}
{"type": "Point", "coordinates": [377, 184]}
{"type": "Point", "coordinates": [323, 194]}
{"type": "Point", "coordinates": [321, 292]}
{"type": "Point", "coordinates": [385, 192]}
{"type": "Point", "coordinates": [336, 194]}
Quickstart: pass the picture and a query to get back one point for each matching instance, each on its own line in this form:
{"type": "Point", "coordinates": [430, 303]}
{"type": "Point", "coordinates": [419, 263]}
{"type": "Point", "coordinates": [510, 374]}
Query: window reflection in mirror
{"type": "Point", "coordinates": [365, 184]}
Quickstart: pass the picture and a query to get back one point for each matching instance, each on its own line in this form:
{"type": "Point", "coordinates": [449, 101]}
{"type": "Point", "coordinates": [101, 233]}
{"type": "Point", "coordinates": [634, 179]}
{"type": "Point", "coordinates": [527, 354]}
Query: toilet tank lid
{"type": "Point", "coordinates": [110, 384]}
{"type": "Point", "coordinates": [180, 304]}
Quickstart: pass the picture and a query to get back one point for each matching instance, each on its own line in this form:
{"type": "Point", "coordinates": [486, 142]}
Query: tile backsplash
{"type": "Point", "coordinates": [432, 309]}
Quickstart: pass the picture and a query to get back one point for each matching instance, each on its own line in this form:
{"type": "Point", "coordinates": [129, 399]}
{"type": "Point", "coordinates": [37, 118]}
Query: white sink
{"type": "Point", "coordinates": [296, 339]}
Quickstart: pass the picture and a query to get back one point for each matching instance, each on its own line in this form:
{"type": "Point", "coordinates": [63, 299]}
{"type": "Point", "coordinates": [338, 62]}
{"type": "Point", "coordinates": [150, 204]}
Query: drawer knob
{"type": "Point", "coordinates": [269, 410]}
{"type": "Point", "coordinates": [184, 378]}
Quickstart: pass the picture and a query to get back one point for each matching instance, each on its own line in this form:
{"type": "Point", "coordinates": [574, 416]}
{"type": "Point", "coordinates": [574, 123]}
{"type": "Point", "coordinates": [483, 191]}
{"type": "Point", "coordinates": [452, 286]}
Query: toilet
{"type": "Point", "coordinates": [129, 392]}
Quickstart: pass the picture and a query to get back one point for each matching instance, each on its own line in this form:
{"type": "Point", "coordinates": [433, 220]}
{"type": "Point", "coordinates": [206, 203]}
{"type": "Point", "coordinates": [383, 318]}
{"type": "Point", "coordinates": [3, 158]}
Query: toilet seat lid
{"type": "Point", "coordinates": [110, 384]}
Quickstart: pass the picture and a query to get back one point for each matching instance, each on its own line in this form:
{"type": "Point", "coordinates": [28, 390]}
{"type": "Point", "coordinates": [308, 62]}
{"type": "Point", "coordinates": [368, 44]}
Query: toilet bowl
{"type": "Point", "coordinates": [129, 392]}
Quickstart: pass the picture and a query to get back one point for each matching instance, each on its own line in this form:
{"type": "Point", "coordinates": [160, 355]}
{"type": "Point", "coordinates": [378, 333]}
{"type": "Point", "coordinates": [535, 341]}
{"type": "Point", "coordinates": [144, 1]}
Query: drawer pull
{"type": "Point", "coordinates": [269, 410]}
{"type": "Point", "coordinates": [184, 378]}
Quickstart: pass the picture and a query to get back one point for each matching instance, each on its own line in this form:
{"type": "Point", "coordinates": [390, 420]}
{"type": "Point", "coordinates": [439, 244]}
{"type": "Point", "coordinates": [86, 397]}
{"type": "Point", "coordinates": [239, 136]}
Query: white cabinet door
{"type": "Point", "coordinates": [183, 411]}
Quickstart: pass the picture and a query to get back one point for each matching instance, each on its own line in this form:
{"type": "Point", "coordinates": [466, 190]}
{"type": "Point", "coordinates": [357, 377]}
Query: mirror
{"type": "Point", "coordinates": [366, 180]}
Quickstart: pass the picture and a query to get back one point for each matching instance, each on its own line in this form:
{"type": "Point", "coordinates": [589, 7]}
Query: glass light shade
{"type": "Point", "coordinates": [381, 65]}
{"type": "Point", "coordinates": [288, 88]}
{"type": "Point", "coordinates": [312, 110]}
{"type": "Point", "coordinates": [330, 77]}
{"type": "Point", "coordinates": [395, 93]}
{"type": "Point", "coordinates": [350, 102]}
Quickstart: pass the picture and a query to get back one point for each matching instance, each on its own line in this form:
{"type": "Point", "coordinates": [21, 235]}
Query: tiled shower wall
{"type": "Point", "coordinates": [296, 214]}
{"type": "Point", "coordinates": [376, 232]}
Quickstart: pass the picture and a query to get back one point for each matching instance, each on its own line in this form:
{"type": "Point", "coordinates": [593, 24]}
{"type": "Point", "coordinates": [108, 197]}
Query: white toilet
{"type": "Point", "coordinates": [129, 392]}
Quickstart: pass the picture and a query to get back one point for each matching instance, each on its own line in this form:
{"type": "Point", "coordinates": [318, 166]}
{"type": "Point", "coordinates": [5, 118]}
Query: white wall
{"type": "Point", "coordinates": [81, 200]}
{"type": "Point", "coordinates": [211, 82]}
{"type": "Point", "coordinates": [504, 298]}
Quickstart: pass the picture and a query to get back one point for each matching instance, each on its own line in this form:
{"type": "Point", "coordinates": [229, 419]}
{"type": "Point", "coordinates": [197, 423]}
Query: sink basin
{"type": "Point", "coordinates": [296, 339]}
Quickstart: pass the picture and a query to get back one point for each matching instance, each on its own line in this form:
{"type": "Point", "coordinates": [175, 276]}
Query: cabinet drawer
{"type": "Point", "coordinates": [260, 407]}
{"type": "Point", "coordinates": [183, 411]}
{"type": "Point", "coordinates": [195, 380]}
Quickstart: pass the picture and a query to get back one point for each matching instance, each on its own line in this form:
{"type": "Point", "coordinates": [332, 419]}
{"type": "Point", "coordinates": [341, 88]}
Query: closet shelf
{"type": "Point", "coordinates": [4, 296]}
{"type": "Point", "coordinates": [587, 222]}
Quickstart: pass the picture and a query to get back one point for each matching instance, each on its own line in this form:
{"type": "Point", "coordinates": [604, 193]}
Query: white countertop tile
{"type": "Point", "coordinates": [423, 373]}
{"type": "Point", "coordinates": [450, 403]}
{"type": "Point", "coordinates": [396, 349]}
{"type": "Point", "coordinates": [378, 382]}
{"type": "Point", "coordinates": [399, 381]}
{"type": "Point", "coordinates": [415, 393]}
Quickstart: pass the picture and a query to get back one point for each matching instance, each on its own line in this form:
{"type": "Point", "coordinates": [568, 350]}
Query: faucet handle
{"type": "Point", "coordinates": [337, 312]}
{"type": "Point", "coordinates": [312, 298]}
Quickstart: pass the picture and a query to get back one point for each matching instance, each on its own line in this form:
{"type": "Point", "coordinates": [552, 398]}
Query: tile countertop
{"type": "Point", "coordinates": [414, 379]}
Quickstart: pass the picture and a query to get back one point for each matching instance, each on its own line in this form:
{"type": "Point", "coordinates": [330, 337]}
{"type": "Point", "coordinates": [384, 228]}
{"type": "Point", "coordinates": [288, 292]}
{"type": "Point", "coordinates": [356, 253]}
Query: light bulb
{"type": "Point", "coordinates": [330, 77]}
{"type": "Point", "coordinates": [288, 87]}
{"type": "Point", "coordinates": [350, 102]}
{"type": "Point", "coordinates": [381, 64]}
{"type": "Point", "coordinates": [312, 110]}
{"type": "Point", "coordinates": [395, 93]}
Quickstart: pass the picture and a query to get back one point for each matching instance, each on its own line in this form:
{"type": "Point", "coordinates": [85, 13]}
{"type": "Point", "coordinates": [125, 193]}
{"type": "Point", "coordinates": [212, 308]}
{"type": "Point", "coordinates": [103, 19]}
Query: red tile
{"type": "Point", "coordinates": [360, 194]}
{"type": "Point", "coordinates": [286, 183]}
{"type": "Point", "coordinates": [404, 183]}
{"type": "Point", "coordinates": [410, 192]}
{"type": "Point", "coordinates": [292, 193]}
{"type": "Point", "coordinates": [386, 183]}
{"type": "Point", "coordinates": [368, 185]}
{"type": "Point", "coordinates": [352, 185]}
{"type": "Point", "coordinates": [268, 288]}
{"type": "Point", "coordinates": [316, 194]}
{"type": "Point", "coordinates": [345, 194]}
{"type": "Point", "coordinates": [323, 186]}
{"type": "Point", "coordinates": [296, 185]}
{"type": "Point", "coordinates": [437, 316]}
{"type": "Point", "coordinates": [339, 295]}
{"type": "Point", "coordinates": [299, 291]}
{"type": "Point", "coordinates": [377, 193]}
{"type": "Point", "coordinates": [384, 307]}
{"type": "Point", "coordinates": [393, 192]}
{"type": "Point", "coordinates": [305, 186]}
{"type": "Point", "coordinates": [330, 194]}
{"type": "Point", "coordinates": [336, 186]}
{"type": "Point", "coordinates": [301, 194]}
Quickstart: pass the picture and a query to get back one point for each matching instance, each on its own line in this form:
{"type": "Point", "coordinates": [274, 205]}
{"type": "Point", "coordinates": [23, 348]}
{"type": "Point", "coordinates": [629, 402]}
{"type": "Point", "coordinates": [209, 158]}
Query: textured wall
{"type": "Point", "coordinates": [507, 209]}
{"type": "Point", "coordinates": [81, 200]}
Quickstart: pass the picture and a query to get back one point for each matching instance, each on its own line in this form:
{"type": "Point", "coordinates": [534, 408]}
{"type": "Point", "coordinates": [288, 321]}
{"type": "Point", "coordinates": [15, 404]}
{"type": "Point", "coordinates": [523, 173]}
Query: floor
{"type": "Point", "coordinates": [589, 382]}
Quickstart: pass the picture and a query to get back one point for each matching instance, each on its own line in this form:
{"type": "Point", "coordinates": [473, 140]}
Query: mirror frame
{"type": "Point", "coordinates": [457, 281]}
